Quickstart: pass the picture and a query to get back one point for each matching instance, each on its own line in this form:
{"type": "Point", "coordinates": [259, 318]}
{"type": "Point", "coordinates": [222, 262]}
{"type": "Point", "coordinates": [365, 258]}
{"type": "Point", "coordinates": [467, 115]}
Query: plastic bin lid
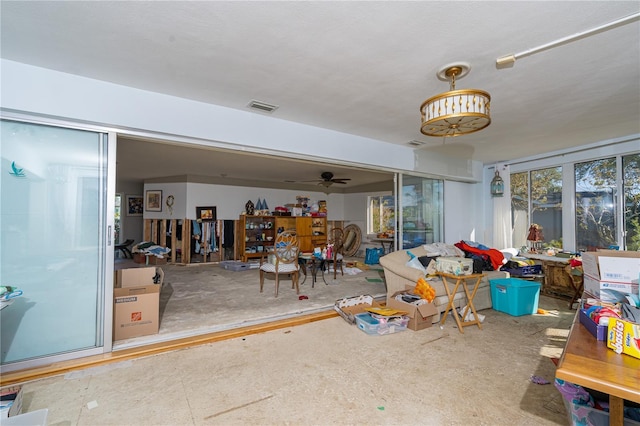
{"type": "Point", "coordinates": [514, 282]}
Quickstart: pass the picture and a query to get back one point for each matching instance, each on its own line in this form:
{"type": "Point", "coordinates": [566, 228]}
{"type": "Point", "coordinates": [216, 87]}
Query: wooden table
{"type": "Point", "coordinates": [559, 280]}
{"type": "Point", "coordinates": [461, 279]}
{"type": "Point", "coordinates": [315, 264]}
{"type": "Point", "coordinates": [589, 363]}
{"type": "Point", "coordinates": [385, 240]}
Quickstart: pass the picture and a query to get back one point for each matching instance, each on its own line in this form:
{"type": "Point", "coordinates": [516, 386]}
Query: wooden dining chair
{"type": "Point", "coordinates": [286, 250]}
{"type": "Point", "coordinates": [336, 237]}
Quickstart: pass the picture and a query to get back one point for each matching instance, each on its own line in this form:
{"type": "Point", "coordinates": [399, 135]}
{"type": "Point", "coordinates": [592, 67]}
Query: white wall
{"type": "Point", "coordinates": [33, 90]}
{"type": "Point", "coordinates": [230, 200]}
{"type": "Point", "coordinates": [179, 192]}
{"type": "Point", "coordinates": [132, 226]}
{"type": "Point", "coordinates": [463, 213]}
{"type": "Point", "coordinates": [41, 91]}
{"type": "Point", "coordinates": [230, 203]}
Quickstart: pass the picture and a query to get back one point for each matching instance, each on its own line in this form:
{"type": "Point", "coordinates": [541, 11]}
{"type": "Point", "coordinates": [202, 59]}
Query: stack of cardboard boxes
{"type": "Point", "coordinates": [419, 316]}
{"type": "Point", "coordinates": [611, 277]}
{"type": "Point", "coordinates": [136, 302]}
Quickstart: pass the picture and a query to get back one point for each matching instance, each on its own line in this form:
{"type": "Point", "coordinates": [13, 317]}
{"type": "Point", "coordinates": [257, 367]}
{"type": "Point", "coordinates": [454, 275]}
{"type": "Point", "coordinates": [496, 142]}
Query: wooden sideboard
{"type": "Point", "coordinates": [558, 278]}
{"type": "Point", "coordinates": [256, 234]}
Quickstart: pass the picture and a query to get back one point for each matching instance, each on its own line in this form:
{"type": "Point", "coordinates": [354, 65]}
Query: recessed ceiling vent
{"type": "Point", "coordinates": [262, 106]}
{"type": "Point", "coordinates": [415, 143]}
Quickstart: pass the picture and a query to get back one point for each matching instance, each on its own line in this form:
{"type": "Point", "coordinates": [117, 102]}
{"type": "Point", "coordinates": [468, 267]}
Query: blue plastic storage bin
{"type": "Point", "coordinates": [371, 325]}
{"type": "Point", "coordinates": [514, 296]}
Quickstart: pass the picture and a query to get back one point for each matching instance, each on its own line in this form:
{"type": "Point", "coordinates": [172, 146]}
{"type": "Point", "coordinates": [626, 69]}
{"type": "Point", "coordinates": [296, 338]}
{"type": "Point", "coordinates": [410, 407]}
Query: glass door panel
{"type": "Point", "coordinates": [52, 222]}
{"type": "Point", "coordinates": [631, 196]}
{"type": "Point", "coordinates": [422, 211]}
{"type": "Point", "coordinates": [596, 195]}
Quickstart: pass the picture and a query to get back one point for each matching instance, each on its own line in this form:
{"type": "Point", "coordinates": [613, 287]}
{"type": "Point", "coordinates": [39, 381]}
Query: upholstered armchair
{"type": "Point", "coordinates": [286, 250]}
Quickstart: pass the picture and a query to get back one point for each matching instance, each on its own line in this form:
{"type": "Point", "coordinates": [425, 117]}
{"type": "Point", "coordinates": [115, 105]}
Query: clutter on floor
{"type": "Point", "coordinates": [150, 253]}
{"type": "Point", "coordinates": [10, 402]}
{"type": "Point", "coordinates": [608, 319]}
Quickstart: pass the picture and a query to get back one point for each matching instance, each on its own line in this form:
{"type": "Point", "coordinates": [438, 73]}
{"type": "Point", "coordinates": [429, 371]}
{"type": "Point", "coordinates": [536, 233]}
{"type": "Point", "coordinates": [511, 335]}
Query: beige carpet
{"type": "Point", "coordinates": [200, 299]}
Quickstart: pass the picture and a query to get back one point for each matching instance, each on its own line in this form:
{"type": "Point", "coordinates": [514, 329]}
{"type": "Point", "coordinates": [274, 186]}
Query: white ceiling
{"type": "Point", "coordinates": [361, 68]}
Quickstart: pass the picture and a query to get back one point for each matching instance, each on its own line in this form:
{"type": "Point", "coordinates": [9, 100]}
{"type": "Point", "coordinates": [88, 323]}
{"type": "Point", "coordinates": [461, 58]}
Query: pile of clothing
{"type": "Point", "coordinates": [484, 258]}
{"type": "Point", "coordinates": [150, 248]}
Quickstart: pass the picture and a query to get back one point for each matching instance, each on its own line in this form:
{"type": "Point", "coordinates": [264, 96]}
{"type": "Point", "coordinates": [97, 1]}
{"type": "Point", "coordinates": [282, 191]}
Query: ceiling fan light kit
{"type": "Point", "coordinates": [327, 179]}
{"type": "Point", "coordinates": [456, 112]}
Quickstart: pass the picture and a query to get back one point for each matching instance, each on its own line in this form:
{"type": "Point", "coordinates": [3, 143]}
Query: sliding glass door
{"type": "Point", "coordinates": [54, 242]}
{"type": "Point", "coordinates": [422, 205]}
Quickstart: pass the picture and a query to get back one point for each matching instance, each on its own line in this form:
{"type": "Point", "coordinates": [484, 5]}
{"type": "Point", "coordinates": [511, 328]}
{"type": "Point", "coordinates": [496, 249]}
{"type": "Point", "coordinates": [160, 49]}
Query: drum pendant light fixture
{"type": "Point", "coordinates": [456, 112]}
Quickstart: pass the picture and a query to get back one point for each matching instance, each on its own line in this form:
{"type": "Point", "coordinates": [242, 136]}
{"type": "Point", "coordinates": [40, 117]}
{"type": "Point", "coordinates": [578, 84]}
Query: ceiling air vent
{"type": "Point", "coordinates": [262, 106]}
{"type": "Point", "coordinates": [415, 143]}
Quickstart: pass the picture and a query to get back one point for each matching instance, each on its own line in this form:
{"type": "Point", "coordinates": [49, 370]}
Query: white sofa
{"type": "Point", "coordinates": [399, 276]}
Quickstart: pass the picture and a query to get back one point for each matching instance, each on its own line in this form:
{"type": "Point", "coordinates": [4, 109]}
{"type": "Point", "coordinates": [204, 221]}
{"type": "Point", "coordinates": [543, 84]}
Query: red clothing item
{"type": "Point", "coordinates": [495, 256]}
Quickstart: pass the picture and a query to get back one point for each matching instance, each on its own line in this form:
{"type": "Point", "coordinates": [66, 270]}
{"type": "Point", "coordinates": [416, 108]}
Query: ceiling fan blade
{"type": "Point", "coordinates": [339, 181]}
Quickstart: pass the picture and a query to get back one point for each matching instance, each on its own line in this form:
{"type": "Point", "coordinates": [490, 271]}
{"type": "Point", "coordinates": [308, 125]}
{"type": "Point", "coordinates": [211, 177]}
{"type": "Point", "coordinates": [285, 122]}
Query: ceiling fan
{"type": "Point", "coordinates": [327, 180]}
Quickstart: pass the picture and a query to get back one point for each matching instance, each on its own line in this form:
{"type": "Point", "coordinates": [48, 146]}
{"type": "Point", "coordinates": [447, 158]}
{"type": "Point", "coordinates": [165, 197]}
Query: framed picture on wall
{"type": "Point", "coordinates": [135, 205]}
{"type": "Point", "coordinates": [206, 214]}
{"type": "Point", "coordinates": [153, 201]}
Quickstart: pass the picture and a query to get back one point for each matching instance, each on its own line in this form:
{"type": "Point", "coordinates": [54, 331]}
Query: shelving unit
{"type": "Point", "coordinates": [318, 231]}
{"type": "Point", "coordinates": [156, 230]}
{"type": "Point", "coordinates": [257, 235]}
{"type": "Point", "coordinates": [311, 232]}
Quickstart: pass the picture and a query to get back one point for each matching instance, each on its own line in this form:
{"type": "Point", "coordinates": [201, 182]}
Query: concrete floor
{"type": "Point", "coordinates": [330, 372]}
{"type": "Point", "coordinates": [206, 298]}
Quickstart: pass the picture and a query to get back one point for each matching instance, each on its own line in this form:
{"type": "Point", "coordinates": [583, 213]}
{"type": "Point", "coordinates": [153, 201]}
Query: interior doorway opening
{"type": "Point", "coordinates": [142, 162]}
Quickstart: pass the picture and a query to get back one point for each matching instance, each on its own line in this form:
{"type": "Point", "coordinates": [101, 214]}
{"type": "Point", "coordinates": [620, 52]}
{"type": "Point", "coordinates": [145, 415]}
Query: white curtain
{"type": "Point", "coordinates": [502, 237]}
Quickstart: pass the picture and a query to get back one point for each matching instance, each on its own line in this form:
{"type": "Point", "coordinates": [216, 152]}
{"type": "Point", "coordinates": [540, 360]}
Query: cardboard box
{"type": "Point", "coordinates": [619, 269]}
{"type": "Point", "coordinates": [624, 337]}
{"type": "Point", "coordinates": [420, 316]}
{"type": "Point", "coordinates": [136, 311]}
{"type": "Point", "coordinates": [608, 291]}
{"type": "Point", "coordinates": [136, 277]}
{"type": "Point", "coordinates": [11, 402]}
{"type": "Point", "coordinates": [595, 274]}
{"type": "Point", "coordinates": [349, 307]}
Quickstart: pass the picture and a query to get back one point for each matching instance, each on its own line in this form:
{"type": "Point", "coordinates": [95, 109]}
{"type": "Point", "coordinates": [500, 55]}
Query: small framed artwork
{"type": "Point", "coordinates": [206, 214]}
{"type": "Point", "coordinates": [135, 205]}
{"type": "Point", "coordinates": [153, 201]}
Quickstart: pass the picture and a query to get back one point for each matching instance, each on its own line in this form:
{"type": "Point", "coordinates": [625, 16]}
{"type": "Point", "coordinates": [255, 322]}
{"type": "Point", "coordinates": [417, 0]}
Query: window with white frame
{"type": "Point", "coordinates": [536, 198]}
{"type": "Point", "coordinates": [631, 197]}
{"type": "Point", "coordinates": [382, 214]}
{"type": "Point", "coordinates": [604, 211]}
{"type": "Point", "coordinates": [598, 202]}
